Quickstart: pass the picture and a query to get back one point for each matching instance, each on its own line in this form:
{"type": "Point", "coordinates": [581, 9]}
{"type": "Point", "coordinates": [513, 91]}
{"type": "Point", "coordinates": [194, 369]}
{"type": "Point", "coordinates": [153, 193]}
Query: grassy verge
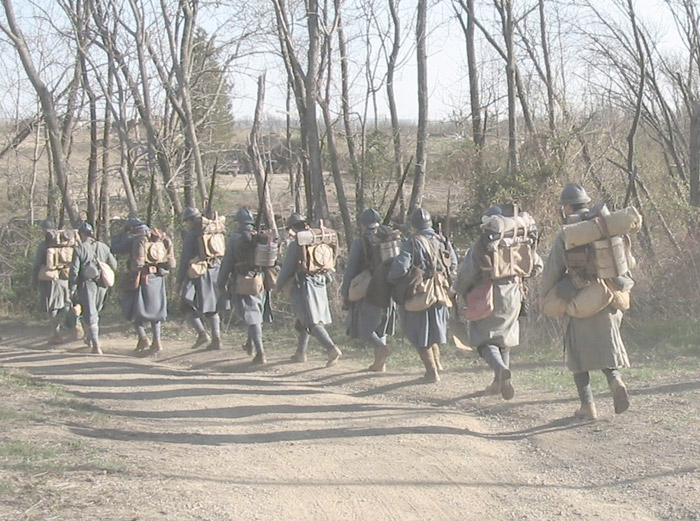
{"type": "Point", "coordinates": [37, 455]}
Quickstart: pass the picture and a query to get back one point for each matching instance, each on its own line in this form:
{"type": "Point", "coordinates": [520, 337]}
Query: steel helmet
{"type": "Point", "coordinates": [294, 220]}
{"type": "Point", "coordinates": [191, 213]}
{"type": "Point", "coordinates": [370, 218]}
{"type": "Point", "coordinates": [132, 222]}
{"type": "Point", "coordinates": [573, 193]}
{"type": "Point", "coordinates": [420, 219]}
{"type": "Point", "coordinates": [86, 229]}
{"type": "Point", "coordinates": [243, 216]}
{"type": "Point", "coordinates": [47, 224]}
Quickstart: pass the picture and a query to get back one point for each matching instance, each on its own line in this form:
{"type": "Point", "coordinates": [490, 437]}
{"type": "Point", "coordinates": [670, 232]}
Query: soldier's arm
{"type": "Point", "coordinates": [289, 266]}
{"type": "Point", "coordinates": [227, 264]}
{"type": "Point", "coordinates": [188, 253]}
{"type": "Point", "coordinates": [352, 269]}
{"type": "Point", "coordinates": [469, 275]}
{"type": "Point", "coordinates": [402, 262]}
{"type": "Point", "coordinates": [555, 267]}
{"type": "Point", "coordinates": [39, 261]}
{"type": "Point", "coordinates": [539, 266]}
{"type": "Point", "coordinates": [76, 262]}
{"type": "Point", "coordinates": [109, 258]}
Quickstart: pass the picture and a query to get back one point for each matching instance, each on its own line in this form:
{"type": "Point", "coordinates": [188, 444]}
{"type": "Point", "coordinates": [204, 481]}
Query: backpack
{"type": "Point", "coordinates": [59, 250]}
{"type": "Point", "coordinates": [320, 249]}
{"type": "Point", "coordinates": [380, 246]}
{"type": "Point", "coordinates": [420, 289]}
{"type": "Point", "coordinates": [509, 246]}
{"type": "Point", "coordinates": [597, 243]}
{"type": "Point", "coordinates": [151, 250]}
{"type": "Point", "coordinates": [212, 237]}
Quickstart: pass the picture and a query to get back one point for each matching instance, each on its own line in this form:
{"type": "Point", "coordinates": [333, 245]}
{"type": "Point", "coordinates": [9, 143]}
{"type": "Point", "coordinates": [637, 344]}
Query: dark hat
{"type": "Point", "coordinates": [47, 224]}
{"type": "Point", "coordinates": [573, 193]}
{"type": "Point", "coordinates": [132, 222]}
{"type": "Point", "coordinates": [191, 213]}
{"type": "Point", "coordinates": [294, 220]}
{"type": "Point", "coordinates": [370, 218]}
{"type": "Point", "coordinates": [86, 229]}
{"type": "Point", "coordinates": [141, 229]}
{"type": "Point", "coordinates": [244, 216]}
{"type": "Point", "coordinates": [493, 210]}
{"type": "Point", "coordinates": [420, 219]}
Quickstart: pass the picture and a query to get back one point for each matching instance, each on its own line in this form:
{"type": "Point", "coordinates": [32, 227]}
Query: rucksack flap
{"type": "Point", "coordinates": [212, 237]}
{"type": "Point", "coordinates": [320, 247]}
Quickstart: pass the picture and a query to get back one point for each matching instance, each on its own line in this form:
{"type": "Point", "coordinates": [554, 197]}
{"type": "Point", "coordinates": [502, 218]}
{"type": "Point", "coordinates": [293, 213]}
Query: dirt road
{"type": "Point", "coordinates": [203, 436]}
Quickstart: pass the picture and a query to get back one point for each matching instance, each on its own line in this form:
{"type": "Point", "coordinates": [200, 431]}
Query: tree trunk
{"type": "Point", "coordinates": [694, 156]}
{"type": "Point", "coordinates": [345, 96]}
{"type": "Point", "coordinates": [422, 131]}
{"type": "Point", "coordinates": [48, 108]}
{"type": "Point", "coordinates": [257, 163]}
{"type": "Point", "coordinates": [393, 111]}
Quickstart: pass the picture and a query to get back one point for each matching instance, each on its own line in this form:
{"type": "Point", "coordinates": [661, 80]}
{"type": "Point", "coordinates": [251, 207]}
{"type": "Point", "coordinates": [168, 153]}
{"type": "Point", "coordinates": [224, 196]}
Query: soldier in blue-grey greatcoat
{"type": "Point", "coordinates": [366, 321]}
{"type": "Point", "coordinates": [593, 343]}
{"type": "Point", "coordinates": [144, 297]}
{"type": "Point", "coordinates": [200, 296]}
{"type": "Point", "coordinates": [309, 297]}
{"type": "Point", "coordinates": [55, 297]}
{"type": "Point", "coordinates": [426, 330]}
{"type": "Point", "coordinates": [495, 335]}
{"type": "Point", "coordinates": [237, 261]}
{"type": "Point", "coordinates": [86, 280]}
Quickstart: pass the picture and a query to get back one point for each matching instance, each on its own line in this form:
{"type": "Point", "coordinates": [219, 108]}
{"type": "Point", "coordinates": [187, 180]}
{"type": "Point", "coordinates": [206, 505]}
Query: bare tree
{"type": "Point", "coordinates": [53, 128]}
{"type": "Point", "coordinates": [422, 130]}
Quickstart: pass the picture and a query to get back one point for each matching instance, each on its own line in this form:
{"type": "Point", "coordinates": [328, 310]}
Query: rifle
{"type": "Point", "coordinates": [150, 197]}
{"type": "Point", "coordinates": [261, 200]}
{"type": "Point", "coordinates": [208, 212]}
{"type": "Point", "coordinates": [399, 189]}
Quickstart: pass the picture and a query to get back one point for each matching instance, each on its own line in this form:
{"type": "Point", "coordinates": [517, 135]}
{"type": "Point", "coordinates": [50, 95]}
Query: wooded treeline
{"type": "Point", "coordinates": [552, 91]}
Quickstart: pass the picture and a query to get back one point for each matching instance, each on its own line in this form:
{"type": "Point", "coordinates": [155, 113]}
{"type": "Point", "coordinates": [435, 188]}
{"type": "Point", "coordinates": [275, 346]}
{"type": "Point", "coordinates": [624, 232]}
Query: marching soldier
{"type": "Point", "coordinates": [54, 291]}
{"type": "Point", "coordinates": [309, 296]}
{"type": "Point", "coordinates": [85, 278]}
{"type": "Point", "coordinates": [239, 263]}
{"type": "Point", "coordinates": [144, 298]}
{"type": "Point", "coordinates": [200, 295]}
{"type": "Point", "coordinates": [496, 332]}
{"type": "Point", "coordinates": [365, 320]}
{"type": "Point", "coordinates": [428, 251]}
{"type": "Point", "coordinates": [592, 343]}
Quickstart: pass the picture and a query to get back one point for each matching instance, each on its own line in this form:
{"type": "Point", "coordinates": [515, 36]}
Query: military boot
{"type": "Point", "coordinates": [298, 357]}
{"type": "Point", "coordinates": [78, 332]}
{"type": "Point", "coordinates": [55, 337]}
{"type": "Point", "coordinates": [259, 358]}
{"type": "Point", "coordinates": [156, 346]}
{"type": "Point", "coordinates": [380, 356]}
{"type": "Point", "coordinates": [142, 344]}
{"type": "Point", "coordinates": [248, 348]}
{"type": "Point", "coordinates": [493, 388]}
{"type": "Point", "coordinates": [202, 339]}
{"type": "Point", "coordinates": [619, 393]}
{"type": "Point", "coordinates": [436, 355]}
{"type": "Point", "coordinates": [96, 350]}
{"type": "Point", "coordinates": [505, 385]}
{"type": "Point", "coordinates": [586, 411]}
{"type": "Point", "coordinates": [428, 358]}
{"type": "Point", "coordinates": [333, 356]}
{"type": "Point", "coordinates": [215, 344]}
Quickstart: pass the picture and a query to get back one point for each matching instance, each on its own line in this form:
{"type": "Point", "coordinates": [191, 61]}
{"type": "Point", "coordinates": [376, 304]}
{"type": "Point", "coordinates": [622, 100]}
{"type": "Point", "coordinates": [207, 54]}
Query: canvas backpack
{"type": "Point", "coordinates": [319, 249]}
{"type": "Point", "coordinates": [212, 237]}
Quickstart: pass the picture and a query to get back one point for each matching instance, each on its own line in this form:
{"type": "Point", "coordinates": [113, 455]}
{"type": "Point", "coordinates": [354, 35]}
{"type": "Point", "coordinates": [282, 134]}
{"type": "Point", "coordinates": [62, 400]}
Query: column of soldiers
{"type": "Point", "coordinates": [417, 281]}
